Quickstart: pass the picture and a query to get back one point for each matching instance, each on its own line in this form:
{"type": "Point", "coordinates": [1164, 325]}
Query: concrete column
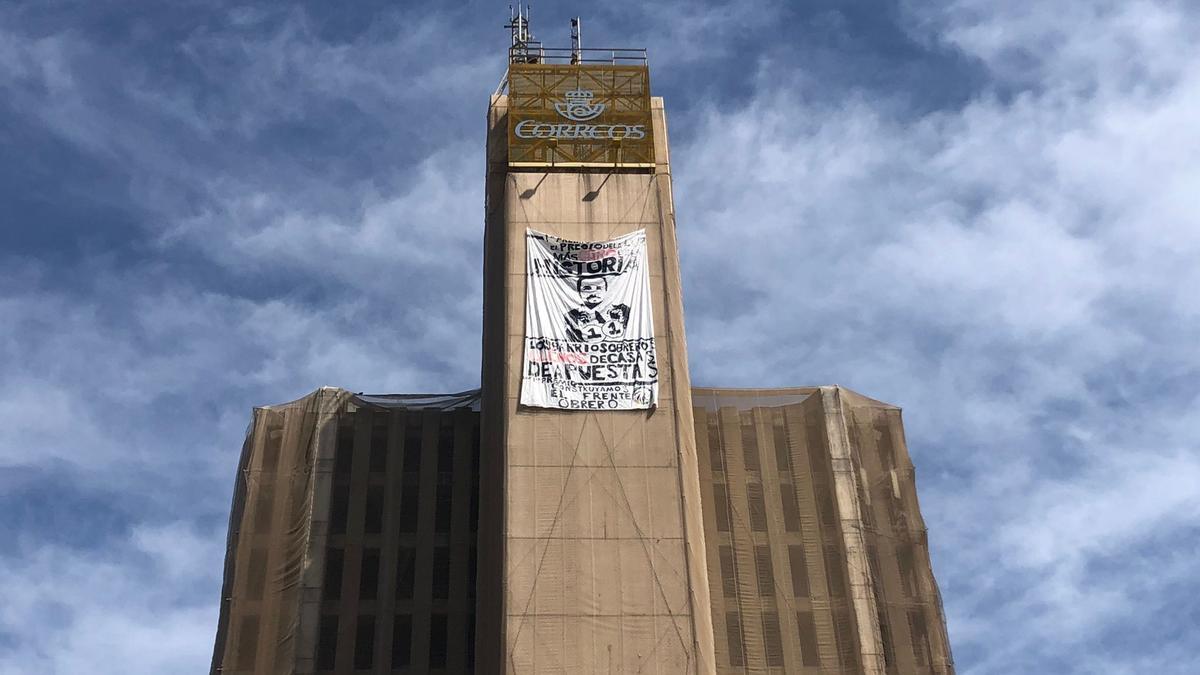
{"type": "Point", "coordinates": [601, 556]}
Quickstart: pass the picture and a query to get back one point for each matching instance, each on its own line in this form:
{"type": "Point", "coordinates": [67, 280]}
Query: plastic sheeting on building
{"type": "Point", "coordinates": [352, 542]}
{"type": "Point", "coordinates": [817, 554]}
{"type": "Point", "coordinates": [352, 537]}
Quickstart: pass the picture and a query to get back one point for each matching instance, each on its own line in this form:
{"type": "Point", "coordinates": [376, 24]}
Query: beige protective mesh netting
{"type": "Point", "coordinates": [816, 549]}
{"type": "Point", "coordinates": [352, 537]}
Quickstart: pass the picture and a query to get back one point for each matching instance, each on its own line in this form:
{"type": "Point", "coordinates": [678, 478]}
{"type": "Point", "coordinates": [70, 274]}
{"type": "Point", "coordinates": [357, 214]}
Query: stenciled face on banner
{"type": "Point", "coordinates": [579, 115]}
{"type": "Point", "coordinates": [589, 332]}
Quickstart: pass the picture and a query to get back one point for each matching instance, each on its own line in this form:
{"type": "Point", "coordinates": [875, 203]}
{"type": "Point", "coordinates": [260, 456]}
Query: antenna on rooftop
{"type": "Point", "coordinates": [524, 48]}
{"type": "Point", "coordinates": [576, 41]}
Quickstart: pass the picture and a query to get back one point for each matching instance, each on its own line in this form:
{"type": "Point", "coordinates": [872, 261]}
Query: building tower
{"type": "Point", "coordinates": [591, 517]}
{"type": "Point", "coordinates": [586, 510]}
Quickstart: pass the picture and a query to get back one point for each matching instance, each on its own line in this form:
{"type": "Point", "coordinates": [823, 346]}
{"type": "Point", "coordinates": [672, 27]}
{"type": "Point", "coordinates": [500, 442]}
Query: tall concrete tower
{"type": "Point", "coordinates": [591, 518]}
{"type": "Point", "coordinates": [586, 510]}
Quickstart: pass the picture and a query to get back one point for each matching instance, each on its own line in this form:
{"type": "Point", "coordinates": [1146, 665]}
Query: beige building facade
{"type": "Point", "coordinates": [817, 553]}
{"type": "Point", "coordinates": [722, 530]}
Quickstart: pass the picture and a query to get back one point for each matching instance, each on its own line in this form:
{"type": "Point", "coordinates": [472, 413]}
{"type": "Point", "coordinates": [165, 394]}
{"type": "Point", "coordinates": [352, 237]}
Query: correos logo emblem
{"type": "Point", "coordinates": [579, 106]}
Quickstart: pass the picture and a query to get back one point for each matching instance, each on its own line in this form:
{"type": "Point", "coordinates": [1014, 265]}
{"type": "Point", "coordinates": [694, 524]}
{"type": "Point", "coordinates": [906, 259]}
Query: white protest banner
{"type": "Point", "coordinates": [589, 331]}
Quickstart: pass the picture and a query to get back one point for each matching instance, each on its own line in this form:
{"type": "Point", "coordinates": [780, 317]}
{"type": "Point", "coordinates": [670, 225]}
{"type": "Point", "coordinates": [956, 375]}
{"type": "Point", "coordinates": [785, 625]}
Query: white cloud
{"type": "Point", "coordinates": [1016, 273]}
{"type": "Point", "coordinates": [130, 608]}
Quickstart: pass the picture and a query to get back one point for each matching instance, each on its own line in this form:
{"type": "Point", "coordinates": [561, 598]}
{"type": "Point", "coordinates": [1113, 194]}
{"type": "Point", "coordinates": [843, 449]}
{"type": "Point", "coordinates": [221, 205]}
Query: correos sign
{"type": "Point", "coordinates": [579, 109]}
{"type": "Point", "coordinates": [579, 115]}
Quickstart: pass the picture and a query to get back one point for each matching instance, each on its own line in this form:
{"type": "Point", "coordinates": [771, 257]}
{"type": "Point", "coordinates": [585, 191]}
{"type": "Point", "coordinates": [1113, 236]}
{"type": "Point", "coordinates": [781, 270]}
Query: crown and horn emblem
{"type": "Point", "coordinates": [579, 106]}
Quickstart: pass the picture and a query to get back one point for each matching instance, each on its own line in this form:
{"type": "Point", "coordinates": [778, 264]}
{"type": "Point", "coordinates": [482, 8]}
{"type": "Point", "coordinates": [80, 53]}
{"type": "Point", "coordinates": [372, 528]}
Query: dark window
{"type": "Point", "coordinates": [402, 641]}
{"type": "Point", "coordinates": [364, 643]}
{"type": "Point", "coordinates": [808, 639]}
{"type": "Point", "coordinates": [406, 567]}
{"type": "Point", "coordinates": [472, 565]}
{"type": "Point", "coordinates": [783, 453]}
{"type": "Point", "coordinates": [445, 447]}
{"type": "Point", "coordinates": [920, 637]}
{"type": "Point", "coordinates": [865, 510]}
{"type": "Point", "coordinates": [843, 629]}
{"type": "Point", "coordinates": [441, 572]}
{"type": "Point", "coordinates": [904, 559]}
{"type": "Point", "coordinates": [474, 517]}
{"type": "Point", "coordinates": [437, 640]}
{"type": "Point", "coordinates": [339, 509]}
{"type": "Point", "coordinates": [766, 575]}
{"type": "Point", "coordinates": [334, 560]}
{"type": "Point", "coordinates": [470, 640]}
{"type": "Point", "coordinates": [715, 450]}
{"type": "Point", "coordinates": [799, 565]}
{"type": "Point", "coordinates": [750, 442]}
{"type": "Point", "coordinates": [721, 501]}
{"type": "Point", "coordinates": [368, 581]}
{"type": "Point", "coordinates": [408, 509]}
{"type": "Point", "coordinates": [247, 643]}
{"type": "Point", "coordinates": [885, 638]}
{"type": "Point", "coordinates": [733, 632]}
{"type": "Point", "coordinates": [475, 505]}
{"type": "Point", "coordinates": [896, 517]}
{"type": "Point", "coordinates": [833, 569]}
{"type": "Point", "coordinates": [271, 450]}
{"type": "Point", "coordinates": [327, 642]}
{"type": "Point", "coordinates": [728, 571]}
{"type": "Point", "coordinates": [825, 507]}
{"type": "Point", "coordinates": [266, 504]}
{"type": "Point", "coordinates": [379, 444]}
{"type": "Point", "coordinates": [443, 505]}
{"type": "Point", "coordinates": [791, 510]}
{"type": "Point", "coordinates": [373, 519]}
{"type": "Point", "coordinates": [758, 507]}
{"type": "Point", "coordinates": [772, 639]}
{"type": "Point", "coordinates": [344, 451]}
{"type": "Point", "coordinates": [412, 444]}
{"type": "Point", "coordinates": [818, 453]}
{"type": "Point", "coordinates": [258, 573]}
{"type": "Point", "coordinates": [887, 456]}
{"type": "Point", "coordinates": [873, 565]}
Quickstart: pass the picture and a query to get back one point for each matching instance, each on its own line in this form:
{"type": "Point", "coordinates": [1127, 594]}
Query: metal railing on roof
{"type": "Point", "coordinates": [534, 52]}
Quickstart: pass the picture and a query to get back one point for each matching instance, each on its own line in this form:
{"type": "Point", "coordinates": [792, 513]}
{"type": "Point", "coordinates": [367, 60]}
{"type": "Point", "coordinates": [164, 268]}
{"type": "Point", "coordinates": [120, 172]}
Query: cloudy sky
{"type": "Point", "coordinates": [984, 212]}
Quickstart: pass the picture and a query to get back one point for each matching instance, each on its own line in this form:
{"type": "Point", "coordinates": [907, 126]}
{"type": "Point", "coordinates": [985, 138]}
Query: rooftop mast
{"type": "Point", "coordinates": [523, 49]}
{"type": "Point", "coordinates": [576, 41]}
